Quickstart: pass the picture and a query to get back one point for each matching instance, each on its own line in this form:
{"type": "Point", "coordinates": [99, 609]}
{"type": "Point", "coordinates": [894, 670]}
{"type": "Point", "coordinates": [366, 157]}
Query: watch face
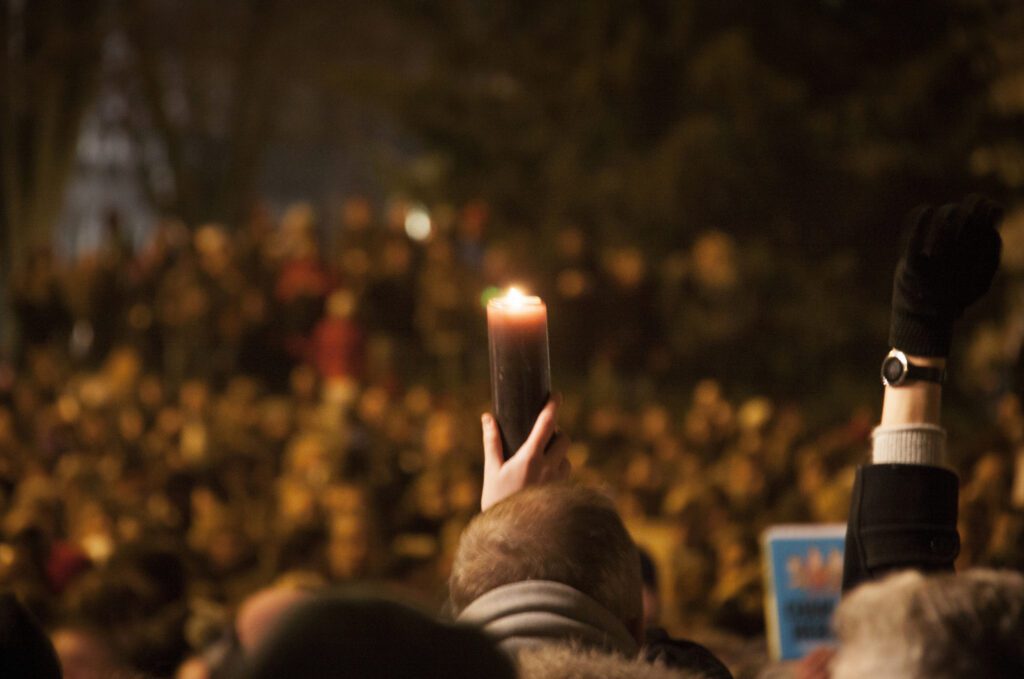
{"type": "Point", "coordinates": [892, 370]}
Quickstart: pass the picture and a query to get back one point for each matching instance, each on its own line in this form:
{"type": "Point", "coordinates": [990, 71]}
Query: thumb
{"type": "Point", "coordinates": [915, 229]}
{"type": "Point", "coordinates": [493, 453]}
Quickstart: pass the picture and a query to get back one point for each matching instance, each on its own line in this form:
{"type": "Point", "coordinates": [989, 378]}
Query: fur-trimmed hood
{"type": "Point", "coordinates": [562, 661]}
{"type": "Point", "coordinates": [531, 612]}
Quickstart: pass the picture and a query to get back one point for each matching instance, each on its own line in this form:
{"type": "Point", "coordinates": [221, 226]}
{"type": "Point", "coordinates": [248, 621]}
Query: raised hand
{"type": "Point", "coordinates": [541, 459]}
{"type": "Point", "coordinates": [948, 263]}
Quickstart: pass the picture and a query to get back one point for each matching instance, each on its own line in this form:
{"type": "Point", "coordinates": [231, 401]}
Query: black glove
{"type": "Point", "coordinates": [949, 261]}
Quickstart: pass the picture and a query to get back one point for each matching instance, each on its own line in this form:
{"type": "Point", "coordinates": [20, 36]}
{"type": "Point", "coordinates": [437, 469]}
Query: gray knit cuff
{"type": "Point", "coordinates": [909, 444]}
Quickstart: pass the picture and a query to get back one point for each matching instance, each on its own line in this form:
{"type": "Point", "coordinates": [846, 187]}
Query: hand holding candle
{"type": "Point", "coordinates": [517, 329]}
{"type": "Point", "coordinates": [541, 459]}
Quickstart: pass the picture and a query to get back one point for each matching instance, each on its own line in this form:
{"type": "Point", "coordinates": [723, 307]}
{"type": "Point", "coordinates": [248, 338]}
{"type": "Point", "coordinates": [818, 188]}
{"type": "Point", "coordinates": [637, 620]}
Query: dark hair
{"type": "Point", "coordinates": [648, 571]}
{"type": "Point", "coordinates": [25, 651]}
{"type": "Point", "coordinates": [130, 612]}
{"type": "Point", "coordinates": [339, 636]}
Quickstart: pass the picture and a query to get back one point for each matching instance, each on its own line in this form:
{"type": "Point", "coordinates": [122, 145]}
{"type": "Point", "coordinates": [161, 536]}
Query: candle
{"type": "Point", "coordinates": [517, 330]}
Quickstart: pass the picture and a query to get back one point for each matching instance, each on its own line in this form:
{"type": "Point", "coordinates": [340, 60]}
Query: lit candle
{"type": "Point", "coordinates": [517, 329]}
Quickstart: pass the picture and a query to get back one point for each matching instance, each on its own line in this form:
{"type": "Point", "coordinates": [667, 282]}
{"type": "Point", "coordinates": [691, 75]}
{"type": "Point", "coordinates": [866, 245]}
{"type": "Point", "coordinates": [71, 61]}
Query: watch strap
{"type": "Point", "coordinates": [925, 373]}
{"type": "Point", "coordinates": [897, 370]}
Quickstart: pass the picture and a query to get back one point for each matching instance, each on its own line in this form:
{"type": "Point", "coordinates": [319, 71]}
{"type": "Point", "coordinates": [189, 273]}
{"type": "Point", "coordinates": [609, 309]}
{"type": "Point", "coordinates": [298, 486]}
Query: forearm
{"type": "Point", "coordinates": [915, 402]}
{"type": "Point", "coordinates": [903, 512]}
{"type": "Point", "coordinates": [909, 432]}
{"type": "Point", "coordinates": [904, 506]}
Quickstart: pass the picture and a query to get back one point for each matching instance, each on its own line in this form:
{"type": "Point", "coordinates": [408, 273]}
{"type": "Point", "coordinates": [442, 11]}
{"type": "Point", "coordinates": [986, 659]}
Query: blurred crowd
{"type": "Point", "coordinates": [289, 400]}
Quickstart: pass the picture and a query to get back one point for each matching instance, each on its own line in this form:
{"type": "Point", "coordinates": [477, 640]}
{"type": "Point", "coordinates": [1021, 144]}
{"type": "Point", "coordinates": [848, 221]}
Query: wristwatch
{"type": "Point", "coordinates": [897, 371]}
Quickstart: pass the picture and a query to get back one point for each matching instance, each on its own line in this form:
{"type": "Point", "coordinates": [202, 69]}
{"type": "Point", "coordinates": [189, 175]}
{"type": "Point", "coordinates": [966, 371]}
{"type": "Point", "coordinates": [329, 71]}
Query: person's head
{"type": "Point", "coordinates": [84, 653]}
{"type": "Point", "coordinates": [25, 650]}
{"type": "Point", "coordinates": [122, 615]}
{"type": "Point", "coordinates": [263, 610]}
{"type": "Point", "coordinates": [562, 533]}
{"type": "Point", "coordinates": [911, 626]}
{"type": "Point", "coordinates": [336, 636]}
{"type": "Point", "coordinates": [341, 304]}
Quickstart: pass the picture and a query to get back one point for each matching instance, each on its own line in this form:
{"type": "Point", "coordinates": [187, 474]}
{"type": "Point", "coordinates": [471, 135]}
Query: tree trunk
{"type": "Point", "coordinates": [51, 62]}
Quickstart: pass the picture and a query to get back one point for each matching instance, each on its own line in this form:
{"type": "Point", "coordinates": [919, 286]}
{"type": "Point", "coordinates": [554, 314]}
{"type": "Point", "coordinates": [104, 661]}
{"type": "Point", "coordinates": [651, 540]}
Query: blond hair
{"type": "Point", "coordinates": [563, 533]}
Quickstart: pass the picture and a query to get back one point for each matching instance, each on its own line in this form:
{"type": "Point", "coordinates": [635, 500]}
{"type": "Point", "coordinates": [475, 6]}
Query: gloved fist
{"type": "Point", "coordinates": [948, 263]}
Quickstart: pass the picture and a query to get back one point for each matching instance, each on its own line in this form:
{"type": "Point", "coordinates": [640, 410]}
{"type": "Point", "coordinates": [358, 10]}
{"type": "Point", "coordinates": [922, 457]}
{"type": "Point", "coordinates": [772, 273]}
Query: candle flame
{"type": "Point", "coordinates": [516, 299]}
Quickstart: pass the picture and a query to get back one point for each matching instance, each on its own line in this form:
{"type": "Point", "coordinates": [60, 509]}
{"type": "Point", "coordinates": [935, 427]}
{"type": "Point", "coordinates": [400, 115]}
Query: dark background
{"type": "Point", "coordinates": [708, 196]}
{"type": "Point", "coordinates": [803, 130]}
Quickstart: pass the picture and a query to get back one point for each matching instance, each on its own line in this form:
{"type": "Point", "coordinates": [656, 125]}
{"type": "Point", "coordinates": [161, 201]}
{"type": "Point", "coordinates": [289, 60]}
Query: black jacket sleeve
{"type": "Point", "coordinates": [901, 516]}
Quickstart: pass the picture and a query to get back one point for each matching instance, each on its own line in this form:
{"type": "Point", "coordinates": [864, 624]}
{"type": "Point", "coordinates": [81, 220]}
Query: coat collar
{"type": "Point", "coordinates": [538, 611]}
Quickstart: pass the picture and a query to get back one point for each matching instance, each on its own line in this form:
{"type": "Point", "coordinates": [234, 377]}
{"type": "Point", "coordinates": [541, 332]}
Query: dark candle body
{"type": "Point", "coordinates": [517, 330]}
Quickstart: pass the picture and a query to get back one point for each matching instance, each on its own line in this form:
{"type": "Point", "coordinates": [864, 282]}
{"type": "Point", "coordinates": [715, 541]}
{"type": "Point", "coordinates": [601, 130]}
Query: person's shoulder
{"type": "Point", "coordinates": [684, 654]}
{"type": "Point", "coordinates": [571, 661]}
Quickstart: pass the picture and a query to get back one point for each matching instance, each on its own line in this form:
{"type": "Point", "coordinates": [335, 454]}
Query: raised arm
{"type": "Point", "coordinates": [904, 508]}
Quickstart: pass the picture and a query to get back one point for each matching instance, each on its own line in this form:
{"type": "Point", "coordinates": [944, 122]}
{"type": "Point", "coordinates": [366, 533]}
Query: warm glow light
{"type": "Point", "coordinates": [417, 224]}
{"type": "Point", "coordinates": [489, 293]}
{"type": "Point", "coordinates": [515, 300]}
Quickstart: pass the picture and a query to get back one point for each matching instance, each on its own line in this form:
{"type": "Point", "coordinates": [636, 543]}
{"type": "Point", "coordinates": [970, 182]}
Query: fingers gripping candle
{"type": "Point", "coordinates": [517, 329]}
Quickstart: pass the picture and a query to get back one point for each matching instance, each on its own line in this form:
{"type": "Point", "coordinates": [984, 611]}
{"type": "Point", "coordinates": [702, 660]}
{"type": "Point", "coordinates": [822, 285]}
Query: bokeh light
{"type": "Point", "coordinates": [489, 293]}
{"type": "Point", "coordinates": [418, 226]}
